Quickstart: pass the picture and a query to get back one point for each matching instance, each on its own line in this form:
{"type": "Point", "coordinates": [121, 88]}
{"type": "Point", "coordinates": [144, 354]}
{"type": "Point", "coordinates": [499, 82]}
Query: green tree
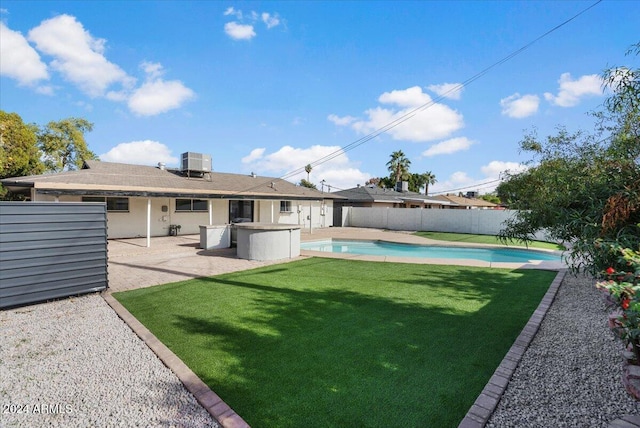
{"type": "Point", "coordinates": [398, 166]}
{"type": "Point", "coordinates": [418, 181]}
{"type": "Point", "coordinates": [19, 153]}
{"type": "Point", "coordinates": [584, 188]}
{"type": "Point", "coordinates": [63, 144]}
{"type": "Point", "coordinates": [491, 198]}
{"type": "Point", "coordinates": [429, 179]}
{"type": "Point", "coordinates": [308, 169]}
{"type": "Point", "coordinates": [307, 183]}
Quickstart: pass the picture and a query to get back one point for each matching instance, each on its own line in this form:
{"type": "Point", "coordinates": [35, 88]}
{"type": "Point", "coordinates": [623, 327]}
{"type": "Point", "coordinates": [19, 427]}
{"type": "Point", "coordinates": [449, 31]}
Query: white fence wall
{"type": "Point", "coordinates": [482, 222]}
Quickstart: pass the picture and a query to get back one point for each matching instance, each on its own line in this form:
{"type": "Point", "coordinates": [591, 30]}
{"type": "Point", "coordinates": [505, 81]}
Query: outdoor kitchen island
{"type": "Point", "coordinates": [267, 241]}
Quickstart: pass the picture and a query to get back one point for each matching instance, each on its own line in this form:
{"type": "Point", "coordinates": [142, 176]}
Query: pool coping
{"type": "Point", "coordinates": [486, 403]}
{"type": "Point", "coordinates": [541, 264]}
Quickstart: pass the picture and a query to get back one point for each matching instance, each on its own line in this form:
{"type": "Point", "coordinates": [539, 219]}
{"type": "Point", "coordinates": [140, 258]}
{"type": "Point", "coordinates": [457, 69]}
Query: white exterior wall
{"type": "Point", "coordinates": [482, 222]}
{"type": "Point", "coordinates": [312, 214]}
{"type": "Point", "coordinates": [133, 224]}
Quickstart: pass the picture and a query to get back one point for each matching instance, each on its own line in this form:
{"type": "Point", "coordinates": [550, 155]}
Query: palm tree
{"type": "Point", "coordinates": [398, 165]}
{"type": "Point", "coordinates": [429, 178]}
{"type": "Point", "coordinates": [308, 169]}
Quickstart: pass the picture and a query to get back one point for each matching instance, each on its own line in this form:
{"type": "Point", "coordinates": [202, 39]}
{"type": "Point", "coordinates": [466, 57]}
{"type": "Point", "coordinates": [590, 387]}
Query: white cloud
{"type": "Point", "coordinates": [77, 55]}
{"type": "Point", "coordinates": [79, 58]}
{"type": "Point", "coordinates": [157, 96]}
{"type": "Point", "coordinates": [341, 178]}
{"type": "Point", "coordinates": [244, 27]}
{"type": "Point", "coordinates": [19, 60]}
{"type": "Point", "coordinates": [239, 31]}
{"type": "Point", "coordinates": [495, 168]}
{"type": "Point", "coordinates": [448, 147]}
{"type": "Point", "coordinates": [461, 181]}
{"type": "Point", "coordinates": [339, 172]}
{"type": "Point", "coordinates": [270, 20]}
{"type": "Point", "coordinates": [452, 91]}
{"type": "Point", "coordinates": [519, 106]}
{"type": "Point", "coordinates": [341, 121]}
{"type": "Point", "coordinates": [45, 90]}
{"type": "Point", "coordinates": [410, 97]}
{"type": "Point", "coordinates": [231, 11]}
{"type": "Point", "coordinates": [152, 69]}
{"type": "Point", "coordinates": [255, 155]}
{"type": "Point", "coordinates": [431, 123]}
{"type": "Point", "coordinates": [145, 152]}
{"type": "Point", "coordinates": [572, 91]}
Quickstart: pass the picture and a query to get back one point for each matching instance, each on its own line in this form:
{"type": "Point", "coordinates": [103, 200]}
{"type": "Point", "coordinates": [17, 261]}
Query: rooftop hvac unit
{"type": "Point", "coordinates": [196, 162]}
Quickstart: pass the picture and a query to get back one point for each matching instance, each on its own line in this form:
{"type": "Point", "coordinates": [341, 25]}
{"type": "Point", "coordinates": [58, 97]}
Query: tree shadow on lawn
{"type": "Point", "coordinates": [286, 354]}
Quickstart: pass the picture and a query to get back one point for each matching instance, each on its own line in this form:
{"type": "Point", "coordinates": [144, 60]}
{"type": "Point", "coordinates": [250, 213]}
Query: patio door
{"type": "Point", "coordinates": [240, 211]}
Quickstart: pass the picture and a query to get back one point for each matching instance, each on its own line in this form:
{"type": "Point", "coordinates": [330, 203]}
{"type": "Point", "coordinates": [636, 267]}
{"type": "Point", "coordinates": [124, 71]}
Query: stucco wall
{"type": "Point", "coordinates": [133, 223]}
{"type": "Point", "coordinates": [483, 222]}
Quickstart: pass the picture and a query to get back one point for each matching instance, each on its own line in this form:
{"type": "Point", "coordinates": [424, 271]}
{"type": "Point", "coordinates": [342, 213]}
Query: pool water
{"type": "Point", "coordinates": [382, 248]}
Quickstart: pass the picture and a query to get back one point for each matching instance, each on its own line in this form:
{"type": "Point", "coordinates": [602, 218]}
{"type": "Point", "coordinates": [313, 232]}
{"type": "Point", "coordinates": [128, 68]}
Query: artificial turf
{"type": "Point", "coordinates": [326, 342]}
{"type": "Point", "coordinates": [486, 239]}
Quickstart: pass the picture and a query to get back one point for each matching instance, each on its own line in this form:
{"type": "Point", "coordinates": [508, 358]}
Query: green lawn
{"type": "Point", "coordinates": [327, 342]}
{"type": "Point", "coordinates": [485, 239]}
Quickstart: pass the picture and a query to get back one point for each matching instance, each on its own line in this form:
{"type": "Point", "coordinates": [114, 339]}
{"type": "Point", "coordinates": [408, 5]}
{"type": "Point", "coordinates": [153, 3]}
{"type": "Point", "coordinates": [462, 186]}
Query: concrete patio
{"type": "Point", "coordinates": [176, 258]}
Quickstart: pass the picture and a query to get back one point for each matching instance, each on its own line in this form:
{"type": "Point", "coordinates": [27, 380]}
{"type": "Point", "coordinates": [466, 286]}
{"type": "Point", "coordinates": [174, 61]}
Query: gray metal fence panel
{"type": "Point", "coordinates": [50, 250]}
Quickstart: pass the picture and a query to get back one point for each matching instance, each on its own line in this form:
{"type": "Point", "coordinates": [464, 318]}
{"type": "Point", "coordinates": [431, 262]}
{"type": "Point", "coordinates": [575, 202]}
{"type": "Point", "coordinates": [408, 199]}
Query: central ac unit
{"type": "Point", "coordinates": [196, 162]}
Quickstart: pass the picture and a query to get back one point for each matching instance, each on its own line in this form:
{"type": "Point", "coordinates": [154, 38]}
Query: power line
{"type": "Point", "coordinates": [474, 186]}
{"type": "Point", "coordinates": [400, 120]}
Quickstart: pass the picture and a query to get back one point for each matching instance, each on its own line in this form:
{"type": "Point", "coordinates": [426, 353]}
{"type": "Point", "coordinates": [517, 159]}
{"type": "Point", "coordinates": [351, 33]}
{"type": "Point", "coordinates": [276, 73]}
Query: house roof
{"type": "Point", "coordinates": [377, 194]}
{"type": "Point", "coordinates": [108, 178]}
{"type": "Point", "coordinates": [464, 201]}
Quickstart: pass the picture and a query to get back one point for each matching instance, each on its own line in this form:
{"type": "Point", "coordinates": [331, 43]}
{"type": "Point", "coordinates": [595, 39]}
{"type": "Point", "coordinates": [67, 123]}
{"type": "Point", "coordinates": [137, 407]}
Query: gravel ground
{"type": "Point", "coordinates": [571, 374]}
{"type": "Point", "coordinates": [74, 363]}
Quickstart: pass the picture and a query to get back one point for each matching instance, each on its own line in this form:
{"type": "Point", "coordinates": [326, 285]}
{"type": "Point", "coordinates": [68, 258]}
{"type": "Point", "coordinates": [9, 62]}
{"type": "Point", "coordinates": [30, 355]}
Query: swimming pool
{"type": "Point", "coordinates": [383, 248]}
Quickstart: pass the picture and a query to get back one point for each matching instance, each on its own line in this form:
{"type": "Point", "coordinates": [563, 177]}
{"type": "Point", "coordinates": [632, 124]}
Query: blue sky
{"type": "Point", "coordinates": [268, 87]}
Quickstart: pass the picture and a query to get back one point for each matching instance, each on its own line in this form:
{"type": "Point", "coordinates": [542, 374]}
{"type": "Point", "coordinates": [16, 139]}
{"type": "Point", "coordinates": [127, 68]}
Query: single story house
{"type": "Point", "coordinates": [155, 201]}
{"type": "Point", "coordinates": [467, 202]}
{"type": "Point", "coordinates": [374, 196]}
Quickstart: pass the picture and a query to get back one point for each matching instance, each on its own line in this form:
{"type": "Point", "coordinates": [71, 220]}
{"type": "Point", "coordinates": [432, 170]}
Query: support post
{"type": "Point", "coordinates": [148, 222]}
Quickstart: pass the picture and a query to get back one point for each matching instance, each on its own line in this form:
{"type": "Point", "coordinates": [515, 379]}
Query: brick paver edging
{"type": "Point", "coordinates": [486, 403]}
{"type": "Point", "coordinates": [205, 396]}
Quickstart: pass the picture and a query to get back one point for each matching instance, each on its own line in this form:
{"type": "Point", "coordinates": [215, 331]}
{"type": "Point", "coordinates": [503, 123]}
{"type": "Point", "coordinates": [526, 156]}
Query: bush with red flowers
{"type": "Point", "coordinates": [621, 282]}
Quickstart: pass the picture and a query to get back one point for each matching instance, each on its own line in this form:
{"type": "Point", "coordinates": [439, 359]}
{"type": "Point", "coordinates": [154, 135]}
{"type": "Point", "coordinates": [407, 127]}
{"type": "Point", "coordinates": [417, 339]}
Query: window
{"type": "Point", "coordinates": [285, 206]}
{"type": "Point", "coordinates": [200, 205]}
{"type": "Point", "coordinates": [240, 211]}
{"type": "Point", "coordinates": [113, 204]}
{"type": "Point", "coordinates": [191, 205]}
